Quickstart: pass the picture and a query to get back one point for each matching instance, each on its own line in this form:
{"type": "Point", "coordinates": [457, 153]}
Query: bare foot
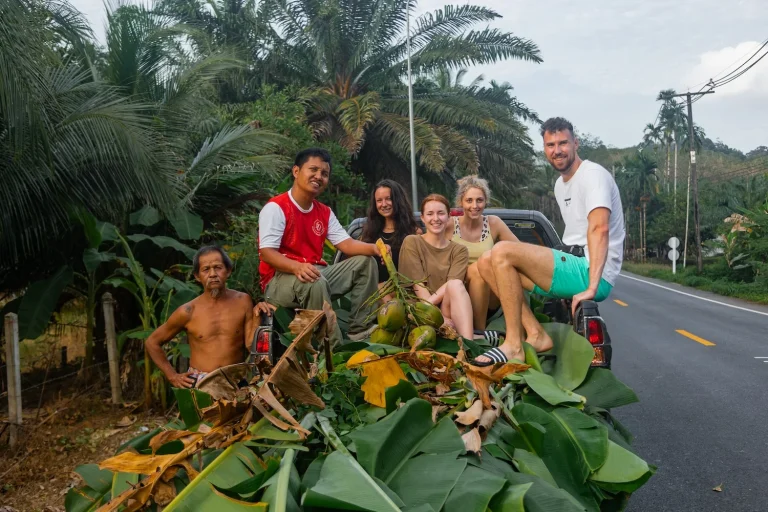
{"type": "Point", "coordinates": [509, 350]}
{"type": "Point", "coordinates": [540, 341]}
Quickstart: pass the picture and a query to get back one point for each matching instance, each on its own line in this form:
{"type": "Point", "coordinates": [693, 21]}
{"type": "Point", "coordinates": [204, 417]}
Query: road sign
{"type": "Point", "coordinates": [673, 242]}
{"type": "Point", "coordinates": [674, 255]}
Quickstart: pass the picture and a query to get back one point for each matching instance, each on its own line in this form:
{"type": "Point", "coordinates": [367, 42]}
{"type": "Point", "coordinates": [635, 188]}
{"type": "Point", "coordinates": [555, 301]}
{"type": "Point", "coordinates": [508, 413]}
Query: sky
{"type": "Point", "coordinates": [606, 60]}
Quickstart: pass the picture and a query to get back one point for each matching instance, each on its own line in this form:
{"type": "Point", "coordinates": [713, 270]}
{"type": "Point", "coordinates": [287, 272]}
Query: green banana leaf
{"type": "Point", "coordinates": [622, 471]}
{"type": "Point", "coordinates": [164, 242]}
{"type": "Point", "coordinates": [187, 225]}
{"type": "Point", "coordinates": [191, 403]}
{"type": "Point", "coordinates": [147, 216]}
{"type": "Point", "coordinates": [603, 389]}
{"type": "Point", "coordinates": [474, 491]}
{"type": "Point", "coordinates": [97, 489]}
{"type": "Point", "coordinates": [512, 499]}
{"type": "Point", "coordinates": [404, 449]}
{"type": "Point", "coordinates": [589, 436]}
{"type": "Point", "coordinates": [40, 301]}
{"type": "Point", "coordinates": [236, 464]}
{"type": "Point", "coordinates": [92, 258]}
{"type": "Point", "coordinates": [282, 489]}
{"type": "Point", "coordinates": [547, 388]}
{"type": "Point", "coordinates": [573, 353]}
{"type": "Point", "coordinates": [545, 436]}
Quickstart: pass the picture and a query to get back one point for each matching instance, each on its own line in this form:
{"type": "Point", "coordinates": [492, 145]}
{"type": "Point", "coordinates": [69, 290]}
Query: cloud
{"type": "Point", "coordinates": [719, 63]}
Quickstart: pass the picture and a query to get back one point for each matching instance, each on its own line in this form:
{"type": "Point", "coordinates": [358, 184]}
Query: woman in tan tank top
{"type": "Point", "coordinates": [478, 233]}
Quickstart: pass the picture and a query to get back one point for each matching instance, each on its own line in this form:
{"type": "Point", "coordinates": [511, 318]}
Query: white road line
{"type": "Point", "coordinates": [761, 357]}
{"type": "Point", "coordinates": [695, 296]}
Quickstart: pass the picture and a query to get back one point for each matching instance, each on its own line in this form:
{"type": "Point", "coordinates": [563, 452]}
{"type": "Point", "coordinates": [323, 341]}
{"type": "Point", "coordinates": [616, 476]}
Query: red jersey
{"type": "Point", "coordinates": [303, 237]}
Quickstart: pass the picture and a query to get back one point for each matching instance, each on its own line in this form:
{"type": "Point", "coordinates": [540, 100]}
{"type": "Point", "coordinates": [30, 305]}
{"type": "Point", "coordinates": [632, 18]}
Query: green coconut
{"type": "Point", "coordinates": [392, 316]}
{"type": "Point", "coordinates": [382, 337]}
{"type": "Point", "coordinates": [422, 338]}
{"type": "Point", "coordinates": [427, 314]}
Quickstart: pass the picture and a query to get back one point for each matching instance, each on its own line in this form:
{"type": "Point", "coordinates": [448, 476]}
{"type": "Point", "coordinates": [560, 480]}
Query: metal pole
{"type": "Point", "coordinates": [14, 376]}
{"type": "Point", "coordinates": [414, 193]}
{"type": "Point", "coordinates": [108, 304]}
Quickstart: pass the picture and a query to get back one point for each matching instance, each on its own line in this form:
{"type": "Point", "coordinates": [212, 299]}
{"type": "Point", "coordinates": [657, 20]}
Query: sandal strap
{"type": "Point", "coordinates": [496, 355]}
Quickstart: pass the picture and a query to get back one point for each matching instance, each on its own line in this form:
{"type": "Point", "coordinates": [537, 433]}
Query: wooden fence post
{"type": "Point", "coordinates": [14, 375]}
{"type": "Point", "coordinates": [108, 304]}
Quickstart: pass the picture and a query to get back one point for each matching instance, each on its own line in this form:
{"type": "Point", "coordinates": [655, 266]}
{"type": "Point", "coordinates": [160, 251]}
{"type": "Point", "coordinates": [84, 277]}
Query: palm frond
{"type": "Point", "coordinates": [355, 115]}
{"type": "Point", "coordinates": [394, 131]}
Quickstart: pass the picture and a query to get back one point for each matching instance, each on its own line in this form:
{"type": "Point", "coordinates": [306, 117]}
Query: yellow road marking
{"type": "Point", "coordinates": [695, 338]}
{"type": "Point", "coordinates": [620, 303]}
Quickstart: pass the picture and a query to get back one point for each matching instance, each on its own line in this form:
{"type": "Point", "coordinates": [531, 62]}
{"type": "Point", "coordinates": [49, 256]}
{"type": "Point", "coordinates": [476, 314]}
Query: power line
{"type": "Point", "coordinates": [724, 70]}
{"type": "Point", "coordinates": [722, 80]}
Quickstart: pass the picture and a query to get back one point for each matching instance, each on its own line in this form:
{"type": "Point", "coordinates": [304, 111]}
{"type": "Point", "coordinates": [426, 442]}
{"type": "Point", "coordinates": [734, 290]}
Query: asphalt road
{"type": "Point", "coordinates": [703, 411]}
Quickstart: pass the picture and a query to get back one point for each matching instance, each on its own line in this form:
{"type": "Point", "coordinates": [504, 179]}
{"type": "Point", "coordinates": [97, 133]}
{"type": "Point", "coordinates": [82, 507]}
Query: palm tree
{"type": "Point", "coordinates": [638, 183]}
{"type": "Point", "coordinates": [216, 163]}
{"type": "Point", "coordinates": [353, 57]}
{"type": "Point", "coordinates": [68, 144]}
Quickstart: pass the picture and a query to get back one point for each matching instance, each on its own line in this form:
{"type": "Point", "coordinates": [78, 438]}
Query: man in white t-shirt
{"type": "Point", "coordinates": [590, 204]}
{"type": "Point", "coordinates": [293, 228]}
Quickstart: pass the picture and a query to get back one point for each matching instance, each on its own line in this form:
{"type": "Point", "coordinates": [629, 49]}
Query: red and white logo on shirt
{"type": "Point", "coordinates": [318, 228]}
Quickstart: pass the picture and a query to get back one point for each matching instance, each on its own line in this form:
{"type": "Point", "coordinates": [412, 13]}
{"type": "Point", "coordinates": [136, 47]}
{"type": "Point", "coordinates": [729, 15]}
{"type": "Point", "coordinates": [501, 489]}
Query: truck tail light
{"type": "Point", "coordinates": [262, 343]}
{"type": "Point", "coordinates": [594, 332]}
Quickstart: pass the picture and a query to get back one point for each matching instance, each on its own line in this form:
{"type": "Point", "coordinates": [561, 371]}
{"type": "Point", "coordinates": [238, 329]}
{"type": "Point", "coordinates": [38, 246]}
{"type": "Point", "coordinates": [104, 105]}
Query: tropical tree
{"type": "Point", "coordinates": [216, 161]}
{"type": "Point", "coordinates": [68, 143]}
{"type": "Point", "coordinates": [352, 56]}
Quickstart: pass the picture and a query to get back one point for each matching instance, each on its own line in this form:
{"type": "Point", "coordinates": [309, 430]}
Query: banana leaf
{"type": "Point", "coordinates": [622, 471]}
{"type": "Point", "coordinates": [236, 464]}
{"type": "Point", "coordinates": [573, 353]}
{"type": "Point", "coordinates": [146, 216]}
{"type": "Point", "coordinates": [589, 436]}
{"type": "Point", "coordinates": [97, 489]}
{"type": "Point", "coordinates": [404, 449]}
{"type": "Point", "coordinates": [40, 301]}
{"type": "Point", "coordinates": [547, 388]}
{"type": "Point", "coordinates": [187, 225]}
{"type": "Point", "coordinates": [475, 490]}
{"type": "Point", "coordinates": [164, 242]}
{"type": "Point", "coordinates": [545, 436]}
{"type": "Point", "coordinates": [282, 489]}
{"type": "Point", "coordinates": [603, 389]}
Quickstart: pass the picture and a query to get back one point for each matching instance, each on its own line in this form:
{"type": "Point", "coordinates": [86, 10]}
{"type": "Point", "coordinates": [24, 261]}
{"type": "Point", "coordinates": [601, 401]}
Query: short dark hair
{"type": "Point", "coordinates": [207, 250]}
{"type": "Point", "coordinates": [306, 154]}
{"type": "Point", "coordinates": [556, 124]}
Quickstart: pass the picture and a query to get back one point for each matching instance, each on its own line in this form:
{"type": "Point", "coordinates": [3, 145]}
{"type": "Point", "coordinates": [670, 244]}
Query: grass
{"type": "Point", "coordinates": [754, 292]}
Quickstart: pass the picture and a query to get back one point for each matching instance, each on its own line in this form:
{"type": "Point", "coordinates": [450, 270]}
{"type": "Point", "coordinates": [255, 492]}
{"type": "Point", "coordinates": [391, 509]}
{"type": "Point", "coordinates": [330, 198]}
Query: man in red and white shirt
{"type": "Point", "coordinates": [293, 227]}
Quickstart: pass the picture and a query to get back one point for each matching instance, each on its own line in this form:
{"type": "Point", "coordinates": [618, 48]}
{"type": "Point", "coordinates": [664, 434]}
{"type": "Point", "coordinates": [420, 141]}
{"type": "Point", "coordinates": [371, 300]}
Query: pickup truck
{"type": "Point", "coordinates": [529, 226]}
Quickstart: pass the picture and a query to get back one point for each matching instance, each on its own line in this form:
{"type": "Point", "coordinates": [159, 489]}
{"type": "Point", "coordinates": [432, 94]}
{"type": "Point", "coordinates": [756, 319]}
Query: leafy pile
{"type": "Point", "coordinates": [385, 430]}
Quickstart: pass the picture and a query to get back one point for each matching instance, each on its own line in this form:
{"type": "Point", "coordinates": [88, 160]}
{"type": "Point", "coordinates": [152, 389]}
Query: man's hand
{"type": "Point", "coordinates": [307, 273]}
{"type": "Point", "coordinates": [182, 380]}
{"type": "Point", "coordinates": [588, 294]}
{"type": "Point", "coordinates": [263, 307]}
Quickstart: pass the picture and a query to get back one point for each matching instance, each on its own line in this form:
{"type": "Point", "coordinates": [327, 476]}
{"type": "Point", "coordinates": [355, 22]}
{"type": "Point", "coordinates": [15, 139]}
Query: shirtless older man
{"type": "Point", "coordinates": [219, 323]}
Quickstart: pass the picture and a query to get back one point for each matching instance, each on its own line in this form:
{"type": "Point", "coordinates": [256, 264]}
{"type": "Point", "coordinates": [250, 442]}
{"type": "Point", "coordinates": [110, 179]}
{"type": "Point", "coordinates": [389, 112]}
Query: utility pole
{"type": "Point", "coordinates": [414, 192]}
{"type": "Point", "coordinates": [694, 178]}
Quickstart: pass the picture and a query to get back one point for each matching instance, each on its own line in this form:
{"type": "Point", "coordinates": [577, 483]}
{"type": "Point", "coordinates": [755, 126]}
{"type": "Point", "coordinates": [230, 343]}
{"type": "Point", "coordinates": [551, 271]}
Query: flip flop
{"type": "Point", "coordinates": [495, 355]}
{"type": "Point", "coordinates": [492, 337]}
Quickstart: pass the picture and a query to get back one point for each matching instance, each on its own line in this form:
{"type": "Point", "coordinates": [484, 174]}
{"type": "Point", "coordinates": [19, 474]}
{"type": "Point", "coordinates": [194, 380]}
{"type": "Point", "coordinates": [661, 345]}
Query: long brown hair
{"type": "Point", "coordinates": [402, 212]}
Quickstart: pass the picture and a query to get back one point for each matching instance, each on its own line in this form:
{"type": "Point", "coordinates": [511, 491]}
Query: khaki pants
{"type": "Point", "coordinates": [356, 277]}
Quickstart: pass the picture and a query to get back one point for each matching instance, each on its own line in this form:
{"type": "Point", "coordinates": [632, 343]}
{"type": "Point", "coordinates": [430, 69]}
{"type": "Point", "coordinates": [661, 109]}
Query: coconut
{"type": "Point", "coordinates": [422, 338]}
{"type": "Point", "coordinates": [427, 314]}
{"type": "Point", "coordinates": [392, 316]}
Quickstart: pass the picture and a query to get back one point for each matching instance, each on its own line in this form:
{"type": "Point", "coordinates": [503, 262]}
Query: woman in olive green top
{"type": "Point", "coordinates": [442, 263]}
{"type": "Point", "coordinates": [478, 233]}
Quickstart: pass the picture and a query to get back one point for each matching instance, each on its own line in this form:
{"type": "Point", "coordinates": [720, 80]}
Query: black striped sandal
{"type": "Point", "coordinates": [492, 337]}
{"type": "Point", "coordinates": [495, 355]}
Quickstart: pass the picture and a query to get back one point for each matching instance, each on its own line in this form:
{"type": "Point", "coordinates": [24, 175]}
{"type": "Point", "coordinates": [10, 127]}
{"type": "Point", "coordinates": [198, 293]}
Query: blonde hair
{"type": "Point", "coordinates": [472, 181]}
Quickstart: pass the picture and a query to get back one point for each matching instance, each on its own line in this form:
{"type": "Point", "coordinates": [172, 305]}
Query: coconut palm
{"type": "Point", "coordinates": [353, 56]}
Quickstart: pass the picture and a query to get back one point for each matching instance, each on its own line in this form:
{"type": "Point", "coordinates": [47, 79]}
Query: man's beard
{"type": "Point", "coordinates": [569, 164]}
{"type": "Point", "coordinates": [215, 292]}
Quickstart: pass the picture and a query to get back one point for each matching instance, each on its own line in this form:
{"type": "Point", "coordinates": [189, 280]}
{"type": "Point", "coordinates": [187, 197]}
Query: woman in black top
{"type": "Point", "coordinates": [390, 217]}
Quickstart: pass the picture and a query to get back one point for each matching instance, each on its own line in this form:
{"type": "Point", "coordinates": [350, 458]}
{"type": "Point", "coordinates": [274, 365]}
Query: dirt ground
{"type": "Point", "coordinates": [37, 473]}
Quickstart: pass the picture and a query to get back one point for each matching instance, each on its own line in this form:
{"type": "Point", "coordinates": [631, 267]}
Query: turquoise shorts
{"type": "Point", "coordinates": [571, 276]}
